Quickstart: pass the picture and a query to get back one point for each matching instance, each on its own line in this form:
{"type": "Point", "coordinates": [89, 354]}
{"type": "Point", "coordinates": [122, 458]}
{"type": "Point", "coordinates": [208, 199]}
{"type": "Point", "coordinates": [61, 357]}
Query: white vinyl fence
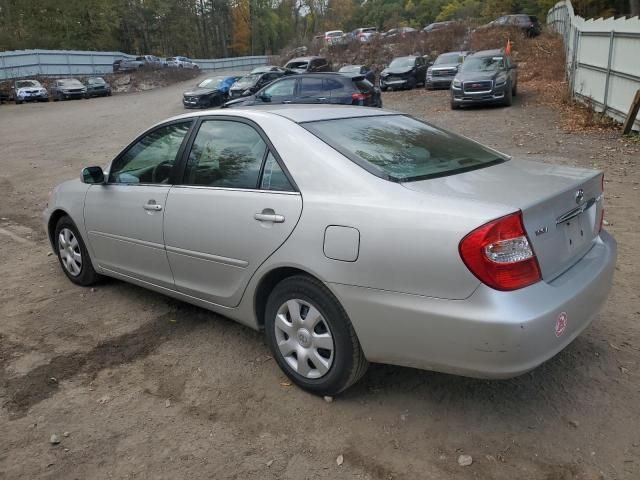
{"type": "Point", "coordinates": [28, 63]}
{"type": "Point", "coordinates": [603, 59]}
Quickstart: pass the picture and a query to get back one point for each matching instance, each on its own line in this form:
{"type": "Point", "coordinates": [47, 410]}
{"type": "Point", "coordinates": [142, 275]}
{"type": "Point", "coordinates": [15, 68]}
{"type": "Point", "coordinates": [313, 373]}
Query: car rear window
{"type": "Point", "coordinates": [402, 149]}
{"type": "Point", "coordinates": [364, 85]}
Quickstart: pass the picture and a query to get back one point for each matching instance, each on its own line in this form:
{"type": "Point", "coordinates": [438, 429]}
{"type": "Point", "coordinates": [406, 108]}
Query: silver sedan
{"type": "Point", "coordinates": [349, 236]}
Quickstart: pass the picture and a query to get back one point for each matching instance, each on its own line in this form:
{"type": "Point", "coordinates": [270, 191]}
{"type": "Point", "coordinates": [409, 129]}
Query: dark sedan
{"type": "Point", "coordinates": [211, 92]}
{"type": "Point", "coordinates": [316, 88]}
{"type": "Point", "coordinates": [529, 24]}
{"type": "Point", "coordinates": [359, 70]}
{"type": "Point", "coordinates": [97, 87]}
{"type": "Point", "coordinates": [488, 76]}
{"type": "Point", "coordinates": [67, 88]}
{"type": "Point", "coordinates": [404, 72]}
{"type": "Point", "coordinates": [250, 84]}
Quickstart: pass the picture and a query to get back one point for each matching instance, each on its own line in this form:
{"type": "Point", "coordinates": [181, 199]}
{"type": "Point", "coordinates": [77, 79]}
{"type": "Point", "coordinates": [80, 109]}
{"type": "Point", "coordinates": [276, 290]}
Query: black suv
{"type": "Point", "coordinates": [527, 23]}
{"type": "Point", "coordinates": [308, 65]}
{"type": "Point", "coordinates": [404, 72]}
{"type": "Point", "coordinates": [316, 88]}
{"type": "Point", "coordinates": [488, 76]}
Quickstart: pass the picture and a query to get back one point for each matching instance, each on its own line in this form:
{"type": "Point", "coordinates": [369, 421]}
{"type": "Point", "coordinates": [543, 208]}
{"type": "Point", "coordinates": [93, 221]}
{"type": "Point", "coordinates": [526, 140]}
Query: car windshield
{"type": "Point", "coordinates": [369, 30]}
{"type": "Point", "coordinates": [402, 62]}
{"type": "Point", "coordinates": [27, 84]}
{"type": "Point", "coordinates": [298, 65]}
{"type": "Point", "coordinates": [249, 79]}
{"type": "Point", "coordinates": [171, 59]}
{"type": "Point", "coordinates": [211, 82]}
{"type": "Point", "coordinates": [482, 64]}
{"type": "Point", "coordinates": [334, 34]}
{"type": "Point", "coordinates": [447, 58]}
{"type": "Point", "coordinates": [71, 83]}
{"type": "Point", "coordinates": [402, 149]}
{"type": "Point", "coordinates": [350, 69]}
{"type": "Point", "coordinates": [97, 81]}
{"type": "Point", "coordinates": [140, 59]}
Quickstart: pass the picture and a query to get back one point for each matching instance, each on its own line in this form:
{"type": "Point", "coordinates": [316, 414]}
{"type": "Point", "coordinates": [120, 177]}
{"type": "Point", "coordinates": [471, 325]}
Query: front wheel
{"type": "Point", "coordinates": [73, 254]}
{"type": "Point", "coordinates": [311, 337]}
{"type": "Point", "coordinates": [508, 97]}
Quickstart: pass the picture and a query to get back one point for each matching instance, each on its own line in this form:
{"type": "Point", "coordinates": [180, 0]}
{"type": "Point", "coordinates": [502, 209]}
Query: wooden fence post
{"type": "Point", "coordinates": [633, 113]}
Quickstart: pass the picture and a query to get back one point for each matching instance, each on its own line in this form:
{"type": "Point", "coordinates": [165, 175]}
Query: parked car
{"type": "Point", "coordinates": [267, 68]}
{"type": "Point", "coordinates": [97, 87]}
{"type": "Point", "coordinates": [181, 62]}
{"type": "Point", "coordinates": [210, 92]}
{"type": "Point", "coordinates": [68, 88]}
{"type": "Point", "coordinates": [127, 64]}
{"type": "Point", "coordinates": [149, 61]}
{"type": "Point", "coordinates": [28, 91]}
{"type": "Point", "coordinates": [404, 72]}
{"type": "Point", "coordinates": [352, 70]}
{"type": "Point", "coordinates": [441, 73]}
{"type": "Point", "coordinates": [316, 88]}
{"type": "Point", "coordinates": [400, 33]}
{"type": "Point", "coordinates": [434, 27]}
{"type": "Point", "coordinates": [415, 246]}
{"type": "Point", "coordinates": [527, 23]}
{"type": "Point", "coordinates": [365, 34]}
{"type": "Point", "coordinates": [333, 37]}
{"type": "Point", "coordinates": [308, 65]}
{"type": "Point", "coordinates": [250, 84]}
{"type": "Point", "coordinates": [488, 76]}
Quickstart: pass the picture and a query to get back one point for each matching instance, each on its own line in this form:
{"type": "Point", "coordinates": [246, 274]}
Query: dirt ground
{"type": "Point", "coordinates": [140, 386]}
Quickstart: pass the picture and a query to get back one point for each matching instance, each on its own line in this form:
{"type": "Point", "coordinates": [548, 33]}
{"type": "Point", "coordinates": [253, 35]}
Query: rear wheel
{"type": "Point", "coordinates": [514, 90]}
{"type": "Point", "coordinates": [311, 337]}
{"type": "Point", "coordinates": [72, 254]}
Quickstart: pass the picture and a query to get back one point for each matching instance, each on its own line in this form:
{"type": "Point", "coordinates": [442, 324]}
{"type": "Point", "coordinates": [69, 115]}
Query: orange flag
{"type": "Point", "coordinates": [507, 49]}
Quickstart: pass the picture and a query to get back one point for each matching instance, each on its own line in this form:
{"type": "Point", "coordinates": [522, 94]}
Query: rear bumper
{"type": "Point", "coordinates": [491, 334]}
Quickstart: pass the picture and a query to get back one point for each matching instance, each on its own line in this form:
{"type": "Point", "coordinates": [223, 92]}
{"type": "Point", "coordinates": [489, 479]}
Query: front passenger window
{"type": "Point", "coordinates": [152, 158]}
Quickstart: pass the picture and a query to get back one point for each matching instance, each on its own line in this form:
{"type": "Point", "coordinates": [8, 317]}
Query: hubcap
{"type": "Point", "coordinates": [70, 252]}
{"type": "Point", "coordinates": [304, 338]}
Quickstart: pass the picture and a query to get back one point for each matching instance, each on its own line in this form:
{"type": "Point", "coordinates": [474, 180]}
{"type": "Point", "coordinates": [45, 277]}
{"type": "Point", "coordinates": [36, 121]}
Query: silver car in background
{"type": "Point", "coordinates": [349, 235]}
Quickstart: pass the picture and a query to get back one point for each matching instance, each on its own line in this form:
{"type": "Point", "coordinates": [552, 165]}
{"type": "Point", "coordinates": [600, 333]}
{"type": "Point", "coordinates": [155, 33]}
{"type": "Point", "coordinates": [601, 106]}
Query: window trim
{"type": "Point", "coordinates": [175, 172]}
{"type": "Point", "coordinates": [270, 149]}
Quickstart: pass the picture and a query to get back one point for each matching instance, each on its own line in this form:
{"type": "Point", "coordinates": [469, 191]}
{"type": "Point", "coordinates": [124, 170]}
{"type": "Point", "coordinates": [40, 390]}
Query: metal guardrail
{"type": "Point", "coordinates": [29, 63]}
{"type": "Point", "coordinates": [602, 55]}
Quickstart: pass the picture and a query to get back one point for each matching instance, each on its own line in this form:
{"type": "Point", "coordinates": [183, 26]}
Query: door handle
{"type": "Point", "coordinates": [269, 217]}
{"type": "Point", "coordinates": [322, 99]}
{"type": "Point", "coordinates": [152, 206]}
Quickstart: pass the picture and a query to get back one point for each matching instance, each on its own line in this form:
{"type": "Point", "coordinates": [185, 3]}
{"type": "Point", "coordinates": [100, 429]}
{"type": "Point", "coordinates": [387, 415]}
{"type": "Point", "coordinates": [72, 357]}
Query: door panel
{"type": "Point", "coordinates": [214, 241]}
{"type": "Point", "coordinates": [124, 217]}
{"type": "Point", "coordinates": [125, 236]}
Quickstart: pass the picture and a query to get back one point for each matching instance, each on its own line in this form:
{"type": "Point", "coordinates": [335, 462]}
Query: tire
{"type": "Point", "coordinates": [328, 372]}
{"type": "Point", "coordinates": [508, 97]}
{"type": "Point", "coordinates": [215, 101]}
{"type": "Point", "coordinates": [411, 84]}
{"type": "Point", "coordinates": [454, 105]}
{"type": "Point", "coordinates": [384, 89]}
{"type": "Point", "coordinates": [514, 90]}
{"type": "Point", "coordinates": [67, 232]}
{"type": "Point", "coordinates": [18, 102]}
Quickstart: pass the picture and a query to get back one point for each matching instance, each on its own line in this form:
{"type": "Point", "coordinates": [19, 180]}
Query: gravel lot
{"type": "Point", "coordinates": [148, 387]}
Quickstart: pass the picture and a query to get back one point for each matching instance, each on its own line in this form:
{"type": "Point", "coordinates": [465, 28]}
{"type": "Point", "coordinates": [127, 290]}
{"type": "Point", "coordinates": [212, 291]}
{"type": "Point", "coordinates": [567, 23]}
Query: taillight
{"type": "Point", "coordinates": [500, 255]}
{"type": "Point", "coordinates": [601, 219]}
{"type": "Point", "coordinates": [360, 96]}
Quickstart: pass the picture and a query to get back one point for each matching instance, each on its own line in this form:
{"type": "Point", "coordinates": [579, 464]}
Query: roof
{"type": "Point", "coordinates": [488, 53]}
{"type": "Point", "coordinates": [295, 113]}
{"type": "Point", "coordinates": [303, 59]}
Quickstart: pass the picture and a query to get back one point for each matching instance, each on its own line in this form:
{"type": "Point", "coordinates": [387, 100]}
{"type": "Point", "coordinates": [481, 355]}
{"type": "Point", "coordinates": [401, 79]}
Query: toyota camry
{"type": "Point", "coordinates": [348, 235]}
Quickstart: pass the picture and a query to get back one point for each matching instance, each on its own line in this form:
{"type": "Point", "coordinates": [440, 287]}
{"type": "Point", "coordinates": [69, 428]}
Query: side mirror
{"type": "Point", "coordinates": [265, 97]}
{"type": "Point", "coordinates": [92, 175]}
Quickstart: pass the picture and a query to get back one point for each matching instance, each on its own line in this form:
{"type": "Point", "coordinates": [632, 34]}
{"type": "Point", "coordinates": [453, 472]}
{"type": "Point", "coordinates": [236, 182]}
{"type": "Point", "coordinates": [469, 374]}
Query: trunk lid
{"type": "Point", "coordinates": [561, 206]}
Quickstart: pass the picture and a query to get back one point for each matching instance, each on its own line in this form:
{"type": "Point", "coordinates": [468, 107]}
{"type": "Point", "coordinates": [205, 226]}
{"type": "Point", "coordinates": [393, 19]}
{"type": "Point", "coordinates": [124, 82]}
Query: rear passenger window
{"type": "Point", "coordinates": [226, 154]}
{"type": "Point", "coordinates": [310, 87]}
{"type": "Point", "coordinates": [273, 178]}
